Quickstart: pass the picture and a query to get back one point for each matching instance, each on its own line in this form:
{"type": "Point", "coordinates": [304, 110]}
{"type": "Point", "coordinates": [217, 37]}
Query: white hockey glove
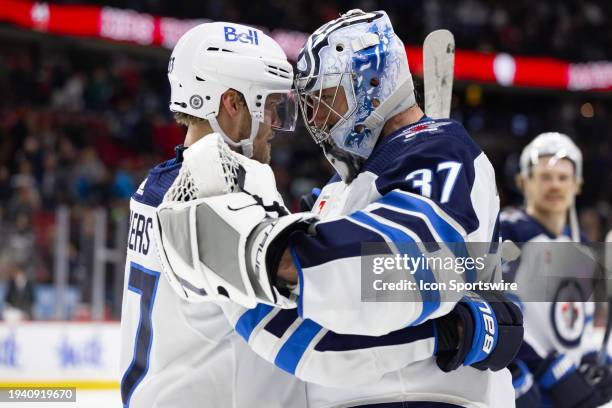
{"type": "Point", "coordinates": [227, 246]}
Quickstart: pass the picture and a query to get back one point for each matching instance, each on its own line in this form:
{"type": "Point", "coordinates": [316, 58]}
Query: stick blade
{"type": "Point", "coordinates": [438, 67]}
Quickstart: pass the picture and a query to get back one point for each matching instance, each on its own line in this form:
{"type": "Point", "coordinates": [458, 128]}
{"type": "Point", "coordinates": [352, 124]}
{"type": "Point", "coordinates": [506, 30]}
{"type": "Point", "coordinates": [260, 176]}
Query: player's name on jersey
{"type": "Point", "coordinates": [452, 285]}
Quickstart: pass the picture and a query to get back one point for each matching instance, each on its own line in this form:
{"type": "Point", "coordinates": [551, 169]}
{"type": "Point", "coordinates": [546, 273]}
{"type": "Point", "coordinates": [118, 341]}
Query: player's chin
{"type": "Point", "coordinates": [556, 205]}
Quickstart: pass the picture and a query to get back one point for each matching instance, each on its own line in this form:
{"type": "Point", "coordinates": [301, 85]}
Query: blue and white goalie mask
{"type": "Point", "coordinates": [352, 77]}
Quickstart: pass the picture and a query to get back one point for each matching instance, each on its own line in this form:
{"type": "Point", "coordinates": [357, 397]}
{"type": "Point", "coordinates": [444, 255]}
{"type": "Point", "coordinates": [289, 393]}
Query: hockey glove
{"type": "Point", "coordinates": [227, 246]}
{"type": "Point", "coordinates": [571, 387]}
{"type": "Point", "coordinates": [492, 330]}
{"type": "Point", "coordinates": [209, 169]}
{"type": "Point", "coordinates": [526, 390]}
{"type": "Point", "coordinates": [307, 201]}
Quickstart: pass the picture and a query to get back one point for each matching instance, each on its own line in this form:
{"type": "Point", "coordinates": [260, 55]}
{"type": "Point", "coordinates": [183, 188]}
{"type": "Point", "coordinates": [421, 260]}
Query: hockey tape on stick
{"type": "Point", "coordinates": [438, 66]}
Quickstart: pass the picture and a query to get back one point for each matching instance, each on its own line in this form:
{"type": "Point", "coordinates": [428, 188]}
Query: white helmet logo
{"type": "Point", "coordinates": [232, 35]}
{"type": "Point", "coordinates": [196, 101]}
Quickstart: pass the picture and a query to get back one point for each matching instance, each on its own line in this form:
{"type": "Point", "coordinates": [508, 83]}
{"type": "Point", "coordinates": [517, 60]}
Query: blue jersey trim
{"type": "Point", "coordinates": [430, 298]}
{"type": "Point", "coordinates": [294, 348]}
{"type": "Point", "coordinates": [155, 275]}
{"type": "Point", "coordinates": [344, 342]}
{"type": "Point", "coordinates": [408, 202]}
{"type": "Point", "coordinates": [447, 232]}
{"type": "Point", "coordinates": [250, 319]}
{"type": "Point", "coordinates": [298, 266]}
{"type": "Point", "coordinates": [281, 322]}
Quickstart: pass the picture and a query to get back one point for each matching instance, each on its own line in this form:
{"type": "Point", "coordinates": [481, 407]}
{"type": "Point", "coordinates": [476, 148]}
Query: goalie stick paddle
{"type": "Point", "coordinates": [603, 351]}
{"type": "Point", "coordinates": [438, 66]}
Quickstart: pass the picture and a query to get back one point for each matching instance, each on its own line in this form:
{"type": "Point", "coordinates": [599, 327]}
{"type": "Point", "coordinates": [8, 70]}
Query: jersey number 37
{"type": "Point", "coordinates": [422, 179]}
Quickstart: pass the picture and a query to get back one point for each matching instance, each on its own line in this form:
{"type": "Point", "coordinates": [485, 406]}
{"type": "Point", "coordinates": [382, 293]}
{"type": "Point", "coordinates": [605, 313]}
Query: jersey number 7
{"type": "Point", "coordinates": [144, 282]}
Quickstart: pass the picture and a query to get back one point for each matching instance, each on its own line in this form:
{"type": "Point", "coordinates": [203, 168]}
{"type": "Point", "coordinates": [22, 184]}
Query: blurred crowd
{"type": "Point", "coordinates": [572, 29]}
{"type": "Point", "coordinates": [80, 128]}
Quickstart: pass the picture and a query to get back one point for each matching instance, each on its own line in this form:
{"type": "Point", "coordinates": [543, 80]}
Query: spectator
{"type": "Point", "coordinates": [19, 300]}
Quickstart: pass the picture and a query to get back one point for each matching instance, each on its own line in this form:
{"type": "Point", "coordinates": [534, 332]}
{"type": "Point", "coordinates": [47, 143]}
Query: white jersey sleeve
{"type": "Point", "coordinates": [428, 184]}
{"type": "Point", "coordinates": [312, 353]}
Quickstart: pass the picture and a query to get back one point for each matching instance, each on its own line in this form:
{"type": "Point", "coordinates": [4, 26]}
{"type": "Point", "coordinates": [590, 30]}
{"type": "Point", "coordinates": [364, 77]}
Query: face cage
{"type": "Point", "coordinates": [308, 100]}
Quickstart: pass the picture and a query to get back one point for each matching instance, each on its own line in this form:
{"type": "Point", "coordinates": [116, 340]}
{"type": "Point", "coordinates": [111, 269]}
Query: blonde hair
{"type": "Point", "coordinates": [185, 119]}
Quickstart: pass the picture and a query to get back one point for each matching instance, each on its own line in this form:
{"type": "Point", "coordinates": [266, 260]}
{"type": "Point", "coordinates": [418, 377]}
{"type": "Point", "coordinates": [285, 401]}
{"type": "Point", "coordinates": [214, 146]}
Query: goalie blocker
{"type": "Point", "coordinates": [233, 254]}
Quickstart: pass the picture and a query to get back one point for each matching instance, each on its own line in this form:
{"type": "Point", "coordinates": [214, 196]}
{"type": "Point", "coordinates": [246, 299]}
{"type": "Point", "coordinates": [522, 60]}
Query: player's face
{"type": "Point", "coordinates": [261, 143]}
{"type": "Point", "coordinates": [326, 109]}
{"type": "Point", "coordinates": [552, 185]}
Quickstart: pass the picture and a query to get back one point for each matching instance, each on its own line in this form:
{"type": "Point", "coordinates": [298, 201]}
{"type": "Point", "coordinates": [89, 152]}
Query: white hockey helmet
{"type": "Point", "coordinates": [556, 145]}
{"type": "Point", "coordinates": [211, 58]}
{"type": "Point", "coordinates": [358, 54]}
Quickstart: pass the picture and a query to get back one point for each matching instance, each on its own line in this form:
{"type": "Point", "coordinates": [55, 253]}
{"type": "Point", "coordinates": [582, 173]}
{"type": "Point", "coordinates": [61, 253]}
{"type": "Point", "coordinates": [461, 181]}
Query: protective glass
{"type": "Point", "coordinates": [281, 110]}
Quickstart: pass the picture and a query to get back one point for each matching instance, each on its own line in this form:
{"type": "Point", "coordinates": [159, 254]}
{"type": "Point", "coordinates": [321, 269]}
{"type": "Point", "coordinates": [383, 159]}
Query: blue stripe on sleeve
{"type": "Point", "coordinates": [411, 203]}
{"type": "Point", "coordinates": [430, 298]}
{"type": "Point", "coordinates": [250, 319]}
{"type": "Point", "coordinates": [279, 324]}
{"type": "Point", "coordinates": [292, 351]}
{"type": "Point", "coordinates": [414, 223]}
{"type": "Point", "coordinates": [344, 342]}
{"type": "Point", "coordinates": [298, 266]}
{"type": "Point", "coordinates": [446, 231]}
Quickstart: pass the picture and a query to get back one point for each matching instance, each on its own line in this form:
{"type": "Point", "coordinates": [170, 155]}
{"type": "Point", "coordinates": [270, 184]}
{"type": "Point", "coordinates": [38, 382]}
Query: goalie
{"type": "Point", "coordinates": [401, 177]}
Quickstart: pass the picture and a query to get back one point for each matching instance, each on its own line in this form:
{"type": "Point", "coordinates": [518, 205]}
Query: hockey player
{"type": "Point", "coordinates": [550, 370]}
{"type": "Point", "coordinates": [175, 353]}
{"type": "Point", "coordinates": [401, 177]}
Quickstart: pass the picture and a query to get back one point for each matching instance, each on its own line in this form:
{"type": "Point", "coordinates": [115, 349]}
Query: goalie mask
{"type": "Point", "coordinates": [211, 58]}
{"type": "Point", "coordinates": [359, 58]}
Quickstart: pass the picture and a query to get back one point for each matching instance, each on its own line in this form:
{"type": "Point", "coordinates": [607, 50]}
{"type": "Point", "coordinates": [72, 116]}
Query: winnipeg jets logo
{"type": "Point", "coordinates": [430, 127]}
{"type": "Point", "coordinates": [568, 313]}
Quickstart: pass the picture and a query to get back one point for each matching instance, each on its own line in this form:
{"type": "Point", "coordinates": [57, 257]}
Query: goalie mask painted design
{"type": "Point", "coordinates": [211, 58]}
{"type": "Point", "coordinates": [360, 55]}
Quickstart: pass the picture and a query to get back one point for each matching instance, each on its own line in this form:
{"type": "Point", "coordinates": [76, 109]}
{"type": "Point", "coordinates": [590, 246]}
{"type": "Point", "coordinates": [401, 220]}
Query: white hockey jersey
{"type": "Point", "coordinates": [428, 182]}
{"type": "Point", "coordinates": [176, 354]}
{"type": "Point", "coordinates": [549, 268]}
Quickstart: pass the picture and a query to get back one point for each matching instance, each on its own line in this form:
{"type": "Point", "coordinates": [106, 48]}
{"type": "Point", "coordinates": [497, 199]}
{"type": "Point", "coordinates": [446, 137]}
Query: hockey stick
{"type": "Point", "coordinates": [603, 351]}
{"type": "Point", "coordinates": [438, 66]}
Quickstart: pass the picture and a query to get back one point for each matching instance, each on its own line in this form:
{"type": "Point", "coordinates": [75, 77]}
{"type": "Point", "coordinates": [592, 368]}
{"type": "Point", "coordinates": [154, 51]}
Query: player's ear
{"type": "Point", "coordinates": [578, 187]}
{"type": "Point", "coordinates": [232, 102]}
{"type": "Point", "coordinates": [520, 182]}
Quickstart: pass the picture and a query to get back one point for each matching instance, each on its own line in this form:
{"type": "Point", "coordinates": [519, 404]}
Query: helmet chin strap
{"type": "Point", "coordinates": [245, 145]}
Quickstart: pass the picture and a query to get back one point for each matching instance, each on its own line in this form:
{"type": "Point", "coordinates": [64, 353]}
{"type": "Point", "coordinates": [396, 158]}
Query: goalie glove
{"type": "Point", "coordinates": [209, 169]}
{"type": "Point", "coordinates": [227, 246]}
